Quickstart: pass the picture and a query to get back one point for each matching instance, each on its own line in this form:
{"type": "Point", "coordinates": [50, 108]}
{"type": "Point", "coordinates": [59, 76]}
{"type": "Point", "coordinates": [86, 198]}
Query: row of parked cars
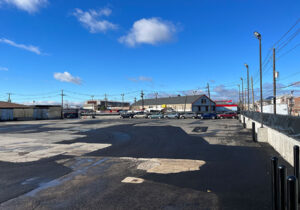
{"type": "Point", "coordinates": [177, 115]}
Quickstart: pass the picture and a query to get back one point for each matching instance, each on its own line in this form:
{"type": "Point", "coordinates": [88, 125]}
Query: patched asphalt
{"type": "Point", "coordinates": [234, 172]}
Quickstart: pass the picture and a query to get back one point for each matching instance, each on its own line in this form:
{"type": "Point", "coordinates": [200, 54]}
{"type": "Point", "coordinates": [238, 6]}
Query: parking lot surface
{"type": "Point", "coordinates": [133, 164]}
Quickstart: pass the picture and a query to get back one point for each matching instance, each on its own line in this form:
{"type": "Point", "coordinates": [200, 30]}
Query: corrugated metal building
{"type": "Point", "coordinates": [12, 111]}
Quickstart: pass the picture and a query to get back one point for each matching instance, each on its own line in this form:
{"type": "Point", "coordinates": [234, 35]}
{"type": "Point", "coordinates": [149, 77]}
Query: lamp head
{"type": "Point", "coordinates": [246, 65]}
{"type": "Point", "coordinates": [257, 35]}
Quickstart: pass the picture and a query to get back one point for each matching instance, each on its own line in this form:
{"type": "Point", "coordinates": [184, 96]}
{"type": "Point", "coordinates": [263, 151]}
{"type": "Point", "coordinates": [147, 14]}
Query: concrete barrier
{"type": "Point", "coordinates": [280, 141]}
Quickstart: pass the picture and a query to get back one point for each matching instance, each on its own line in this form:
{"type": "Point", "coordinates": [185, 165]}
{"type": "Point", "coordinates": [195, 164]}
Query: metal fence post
{"type": "Point", "coordinates": [274, 165]}
{"type": "Point", "coordinates": [282, 187]}
{"type": "Point", "coordinates": [253, 132]}
{"type": "Point", "coordinates": [244, 122]}
{"type": "Point", "coordinates": [296, 164]}
{"type": "Point", "coordinates": [292, 193]}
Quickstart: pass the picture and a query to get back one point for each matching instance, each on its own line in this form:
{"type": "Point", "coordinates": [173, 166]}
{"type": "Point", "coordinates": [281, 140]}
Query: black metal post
{"type": "Point", "coordinates": [296, 164]}
{"type": "Point", "coordinates": [244, 122]}
{"type": "Point", "coordinates": [274, 165]}
{"type": "Point", "coordinates": [292, 193]}
{"type": "Point", "coordinates": [253, 132]}
{"type": "Point", "coordinates": [282, 187]}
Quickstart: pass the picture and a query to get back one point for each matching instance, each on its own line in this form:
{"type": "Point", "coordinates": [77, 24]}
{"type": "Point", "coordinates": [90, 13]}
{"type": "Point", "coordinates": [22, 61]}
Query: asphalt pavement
{"type": "Point", "coordinates": [133, 164]}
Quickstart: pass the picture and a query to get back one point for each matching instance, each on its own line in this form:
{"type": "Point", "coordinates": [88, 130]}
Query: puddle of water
{"type": "Point", "coordinates": [29, 181]}
{"type": "Point", "coordinates": [68, 177]}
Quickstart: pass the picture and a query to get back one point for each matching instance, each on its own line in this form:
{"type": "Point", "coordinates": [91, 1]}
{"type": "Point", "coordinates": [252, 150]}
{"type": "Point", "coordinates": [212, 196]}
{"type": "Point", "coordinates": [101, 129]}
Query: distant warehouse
{"type": "Point", "coordinates": [12, 111]}
{"type": "Point", "coordinates": [195, 103]}
{"type": "Point", "coordinates": [100, 105]}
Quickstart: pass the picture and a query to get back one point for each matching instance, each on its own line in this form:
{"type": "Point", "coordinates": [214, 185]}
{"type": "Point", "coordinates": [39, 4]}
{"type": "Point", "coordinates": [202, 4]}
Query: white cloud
{"type": "Point", "coordinates": [30, 48]}
{"type": "Point", "coordinates": [92, 20]}
{"type": "Point", "coordinates": [3, 69]}
{"type": "Point", "coordinates": [67, 77]}
{"type": "Point", "coordinates": [29, 6]}
{"type": "Point", "coordinates": [149, 31]}
{"type": "Point", "coordinates": [141, 79]}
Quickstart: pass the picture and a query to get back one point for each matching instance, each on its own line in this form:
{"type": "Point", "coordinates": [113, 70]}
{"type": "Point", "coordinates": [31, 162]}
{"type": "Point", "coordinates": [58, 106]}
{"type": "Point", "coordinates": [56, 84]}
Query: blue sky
{"type": "Point", "coordinates": [113, 47]}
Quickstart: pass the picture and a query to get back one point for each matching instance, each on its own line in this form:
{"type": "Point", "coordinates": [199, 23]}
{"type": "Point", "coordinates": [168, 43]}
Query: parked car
{"type": "Point", "coordinates": [141, 115]}
{"type": "Point", "coordinates": [207, 116]}
{"type": "Point", "coordinates": [127, 115]}
{"type": "Point", "coordinates": [187, 115]}
{"type": "Point", "coordinates": [172, 115]}
{"type": "Point", "coordinates": [156, 116]}
{"type": "Point", "coordinates": [228, 115]}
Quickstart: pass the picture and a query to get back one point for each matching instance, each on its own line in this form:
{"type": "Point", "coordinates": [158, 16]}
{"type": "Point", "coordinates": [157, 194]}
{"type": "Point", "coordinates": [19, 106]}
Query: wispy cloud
{"type": "Point", "coordinates": [66, 103]}
{"type": "Point", "coordinates": [30, 48]}
{"type": "Point", "coordinates": [149, 31]}
{"type": "Point", "coordinates": [93, 20]}
{"type": "Point", "coordinates": [141, 79]}
{"type": "Point", "coordinates": [67, 77]}
{"type": "Point", "coordinates": [30, 6]}
{"type": "Point", "coordinates": [3, 69]}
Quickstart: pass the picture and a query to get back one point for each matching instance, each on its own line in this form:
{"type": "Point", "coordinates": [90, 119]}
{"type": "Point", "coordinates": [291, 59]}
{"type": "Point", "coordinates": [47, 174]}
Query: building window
{"type": "Point", "coordinates": [206, 108]}
{"type": "Point", "coordinates": [214, 108]}
{"type": "Point", "coordinates": [203, 101]}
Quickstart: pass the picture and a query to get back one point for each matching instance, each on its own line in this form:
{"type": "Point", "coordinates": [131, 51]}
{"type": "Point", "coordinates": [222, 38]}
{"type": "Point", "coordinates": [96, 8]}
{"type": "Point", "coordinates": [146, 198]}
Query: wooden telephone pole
{"type": "Point", "coordinates": [209, 97]}
{"type": "Point", "coordinates": [274, 82]}
{"type": "Point", "coordinates": [142, 97]}
{"type": "Point", "coordinates": [252, 94]}
{"type": "Point", "coordinates": [62, 104]}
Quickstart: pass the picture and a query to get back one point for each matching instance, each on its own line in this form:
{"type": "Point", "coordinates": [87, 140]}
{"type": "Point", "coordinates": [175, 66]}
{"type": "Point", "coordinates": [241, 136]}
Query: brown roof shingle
{"type": "Point", "coordinates": [7, 105]}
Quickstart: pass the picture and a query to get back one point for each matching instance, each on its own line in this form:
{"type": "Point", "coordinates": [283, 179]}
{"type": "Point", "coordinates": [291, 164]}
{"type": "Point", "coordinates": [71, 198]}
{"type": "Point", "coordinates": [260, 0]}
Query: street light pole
{"type": "Point", "coordinates": [248, 85]}
{"type": "Point", "coordinates": [258, 36]}
{"type": "Point", "coordinates": [239, 94]}
{"type": "Point", "coordinates": [242, 94]}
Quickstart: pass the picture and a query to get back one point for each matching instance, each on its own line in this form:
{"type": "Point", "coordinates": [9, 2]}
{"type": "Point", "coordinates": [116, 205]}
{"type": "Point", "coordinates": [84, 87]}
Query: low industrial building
{"type": "Point", "coordinates": [13, 111]}
{"type": "Point", "coordinates": [195, 103]}
{"type": "Point", "coordinates": [225, 106]}
{"type": "Point", "coordinates": [101, 105]}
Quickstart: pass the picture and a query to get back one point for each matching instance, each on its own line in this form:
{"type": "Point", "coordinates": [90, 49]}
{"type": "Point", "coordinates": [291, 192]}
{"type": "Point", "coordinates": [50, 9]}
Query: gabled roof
{"type": "Point", "coordinates": [170, 100]}
{"type": "Point", "coordinates": [7, 105]}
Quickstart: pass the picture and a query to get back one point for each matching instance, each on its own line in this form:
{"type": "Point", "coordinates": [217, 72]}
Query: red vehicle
{"type": "Point", "coordinates": [232, 115]}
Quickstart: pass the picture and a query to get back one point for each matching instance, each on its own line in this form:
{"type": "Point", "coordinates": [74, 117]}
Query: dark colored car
{"type": "Point", "coordinates": [208, 116]}
{"type": "Point", "coordinates": [127, 115]}
{"type": "Point", "coordinates": [172, 115]}
{"type": "Point", "coordinates": [189, 115]}
{"type": "Point", "coordinates": [232, 115]}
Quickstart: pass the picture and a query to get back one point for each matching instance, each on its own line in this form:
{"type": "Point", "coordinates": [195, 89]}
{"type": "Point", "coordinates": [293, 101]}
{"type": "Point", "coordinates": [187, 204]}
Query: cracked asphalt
{"type": "Point", "coordinates": [170, 164]}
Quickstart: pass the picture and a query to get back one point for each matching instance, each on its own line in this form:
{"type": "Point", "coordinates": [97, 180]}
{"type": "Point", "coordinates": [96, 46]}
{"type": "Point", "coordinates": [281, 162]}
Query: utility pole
{"type": "Point", "coordinates": [239, 93]}
{"type": "Point", "coordinates": [62, 104]}
{"type": "Point", "coordinates": [185, 103]}
{"type": "Point", "coordinates": [248, 89]}
{"type": "Point", "coordinates": [194, 92]}
{"type": "Point", "coordinates": [105, 99]}
{"type": "Point", "coordinates": [156, 100]}
{"type": "Point", "coordinates": [92, 98]}
{"type": "Point", "coordinates": [9, 100]}
{"type": "Point", "coordinates": [142, 96]}
{"type": "Point", "coordinates": [252, 93]}
{"type": "Point", "coordinates": [134, 99]}
{"type": "Point", "coordinates": [242, 93]}
{"type": "Point", "coordinates": [122, 99]}
{"type": "Point", "coordinates": [274, 82]}
{"type": "Point", "coordinates": [209, 98]}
